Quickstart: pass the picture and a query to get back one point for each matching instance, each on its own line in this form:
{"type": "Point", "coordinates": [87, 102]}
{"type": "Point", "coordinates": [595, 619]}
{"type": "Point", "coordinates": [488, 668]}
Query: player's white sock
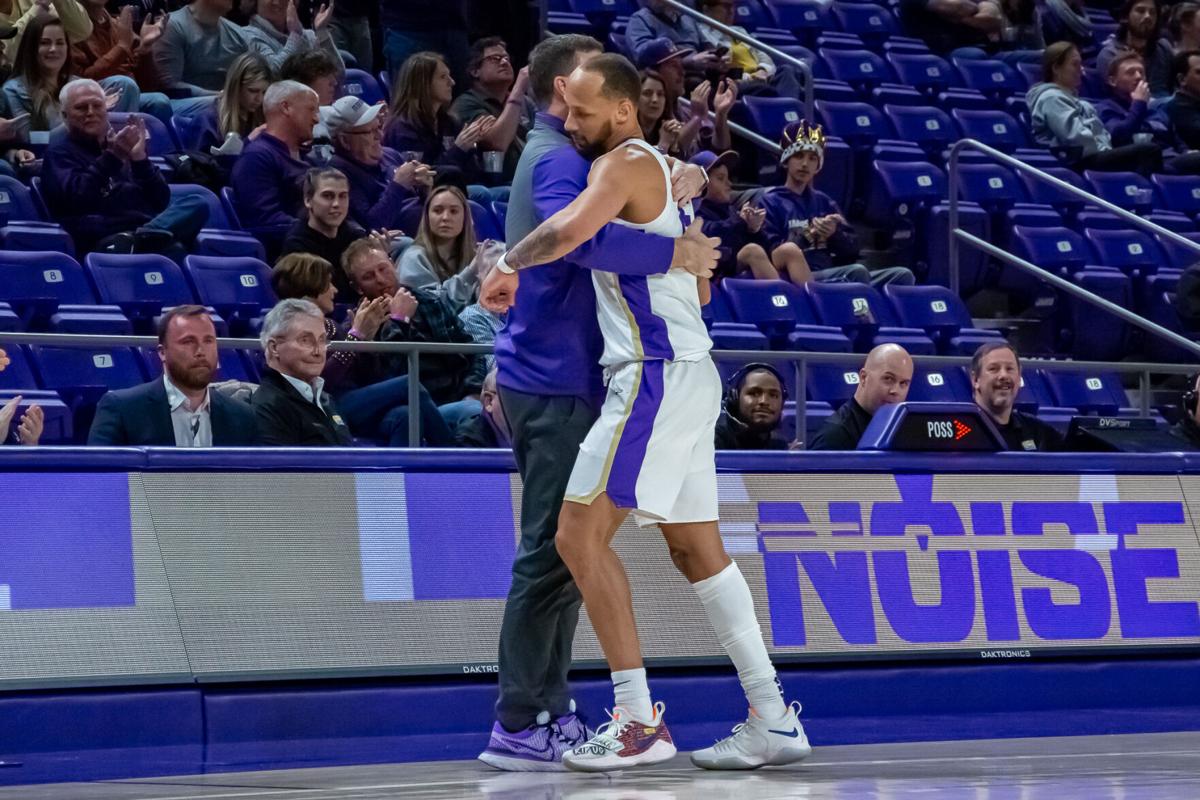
{"type": "Point", "coordinates": [730, 608]}
{"type": "Point", "coordinates": [633, 694]}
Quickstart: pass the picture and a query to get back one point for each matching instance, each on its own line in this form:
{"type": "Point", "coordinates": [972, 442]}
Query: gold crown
{"type": "Point", "coordinates": [805, 134]}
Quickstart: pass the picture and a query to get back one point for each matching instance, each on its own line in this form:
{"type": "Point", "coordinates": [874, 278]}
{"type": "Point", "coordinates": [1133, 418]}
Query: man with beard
{"type": "Point", "coordinates": [178, 409]}
{"type": "Point", "coordinates": [996, 378]}
{"type": "Point", "coordinates": [1139, 33]}
{"type": "Point", "coordinates": [753, 410]}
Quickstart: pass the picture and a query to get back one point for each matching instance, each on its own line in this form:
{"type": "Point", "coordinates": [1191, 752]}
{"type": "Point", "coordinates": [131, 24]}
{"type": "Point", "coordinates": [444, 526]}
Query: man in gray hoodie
{"type": "Point", "coordinates": [1061, 118]}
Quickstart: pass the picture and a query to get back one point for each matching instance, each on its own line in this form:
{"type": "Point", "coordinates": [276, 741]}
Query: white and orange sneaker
{"type": "Point", "coordinates": [757, 743]}
{"type": "Point", "coordinates": [623, 742]}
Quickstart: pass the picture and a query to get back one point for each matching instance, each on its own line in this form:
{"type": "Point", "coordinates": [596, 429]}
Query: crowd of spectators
{"type": "Point", "coordinates": [367, 210]}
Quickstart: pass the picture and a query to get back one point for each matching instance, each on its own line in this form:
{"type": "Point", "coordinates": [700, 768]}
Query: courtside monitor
{"type": "Point", "coordinates": [951, 427]}
{"type": "Point", "coordinates": [1120, 435]}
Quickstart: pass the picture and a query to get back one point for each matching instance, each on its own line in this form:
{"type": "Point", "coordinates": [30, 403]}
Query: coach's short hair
{"type": "Point", "coordinates": [621, 80]}
{"type": "Point", "coordinates": [555, 58]}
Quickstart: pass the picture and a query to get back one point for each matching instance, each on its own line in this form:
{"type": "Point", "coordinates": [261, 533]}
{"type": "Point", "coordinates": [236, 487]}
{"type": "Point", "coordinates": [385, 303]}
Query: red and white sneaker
{"type": "Point", "coordinates": [623, 742]}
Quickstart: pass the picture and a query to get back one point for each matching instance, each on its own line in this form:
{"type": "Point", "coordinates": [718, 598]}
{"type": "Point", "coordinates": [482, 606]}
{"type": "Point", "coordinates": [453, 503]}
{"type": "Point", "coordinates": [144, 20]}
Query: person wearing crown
{"type": "Point", "coordinates": [805, 228]}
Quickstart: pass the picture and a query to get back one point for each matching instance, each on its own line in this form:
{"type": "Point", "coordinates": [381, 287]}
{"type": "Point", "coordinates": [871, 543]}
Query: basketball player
{"type": "Point", "coordinates": [651, 452]}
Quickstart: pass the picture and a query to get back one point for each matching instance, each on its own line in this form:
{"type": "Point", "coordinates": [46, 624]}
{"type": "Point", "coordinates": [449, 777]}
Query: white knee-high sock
{"type": "Point", "coordinates": [633, 694]}
{"type": "Point", "coordinates": [727, 601]}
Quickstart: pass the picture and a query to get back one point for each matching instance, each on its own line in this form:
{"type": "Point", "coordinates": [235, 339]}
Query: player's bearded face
{"type": "Point", "coordinates": [592, 143]}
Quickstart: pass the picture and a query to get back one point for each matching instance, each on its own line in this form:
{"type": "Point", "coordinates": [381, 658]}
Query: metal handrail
{"type": "Point", "coordinates": [801, 66]}
{"type": "Point", "coordinates": [956, 234]}
{"type": "Point", "coordinates": [799, 359]}
{"type": "Point", "coordinates": [753, 137]}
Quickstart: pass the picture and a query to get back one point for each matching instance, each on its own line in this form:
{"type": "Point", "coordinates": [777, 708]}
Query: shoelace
{"type": "Point", "coordinates": [727, 742]}
{"type": "Point", "coordinates": [609, 733]}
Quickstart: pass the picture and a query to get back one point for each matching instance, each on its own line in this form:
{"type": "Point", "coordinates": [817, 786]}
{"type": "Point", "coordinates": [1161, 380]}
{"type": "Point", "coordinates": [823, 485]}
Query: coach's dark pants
{"type": "Point", "coordinates": [543, 602]}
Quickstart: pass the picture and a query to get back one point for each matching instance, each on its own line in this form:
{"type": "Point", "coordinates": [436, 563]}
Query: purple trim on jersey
{"type": "Point", "coordinates": [635, 437]}
{"type": "Point", "coordinates": [652, 329]}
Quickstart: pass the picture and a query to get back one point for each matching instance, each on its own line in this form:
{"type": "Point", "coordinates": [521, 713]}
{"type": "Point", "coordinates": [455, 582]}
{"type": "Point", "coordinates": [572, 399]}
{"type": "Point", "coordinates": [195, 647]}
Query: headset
{"type": "Point", "coordinates": [734, 390]}
{"type": "Point", "coordinates": [1189, 398]}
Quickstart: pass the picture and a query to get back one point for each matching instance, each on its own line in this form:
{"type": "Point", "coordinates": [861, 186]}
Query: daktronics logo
{"type": "Point", "coordinates": [947, 429]}
{"type": "Point", "coordinates": [920, 570]}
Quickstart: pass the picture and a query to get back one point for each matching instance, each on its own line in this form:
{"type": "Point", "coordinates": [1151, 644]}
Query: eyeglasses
{"type": "Point", "coordinates": [497, 58]}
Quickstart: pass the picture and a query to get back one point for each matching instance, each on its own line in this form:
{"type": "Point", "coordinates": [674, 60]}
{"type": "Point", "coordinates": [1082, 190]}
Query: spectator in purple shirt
{"type": "Point", "coordinates": [268, 176]}
{"type": "Point", "coordinates": [423, 127]}
{"type": "Point", "coordinates": [738, 227]}
{"type": "Point", "coordinates": [381, 182]}
{"type": "Point", "coordinates": [805, 225]}
{"type": "Point", "coordinates": [1127, 115]}
{"type": "Point", "coordinates": [101, 185]}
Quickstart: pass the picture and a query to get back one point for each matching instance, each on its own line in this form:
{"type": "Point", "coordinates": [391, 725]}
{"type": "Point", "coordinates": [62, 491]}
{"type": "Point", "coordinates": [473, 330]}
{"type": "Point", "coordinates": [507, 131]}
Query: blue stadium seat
{"type": "Point", "coordinates": [229, 203]}
{"type": "Point", "coordinates": [238, 288]}
{"type": "Point", "coordinates": [953, 98]}
{"type": "Point", "coordinates": [770, 115]}
{"type": "Point", "coordinates": [930, 128]}
{"type": "Point", "coordinates": [486, 226]}
{"type": "Point", "coordinates": [990, 185]}
{"type": "Point", "coordinates": [57, 423]}
{"type": "Point", "coordinates": [220, 237]}
{"type": "Point", "coordinates": [361, 84]}
{"type": "Point", "coordinates": [36, 283]}
{"type": "Point", "coordinates": [1031, 71]}
{"type": "Point", "coordinates": [827, 90]}
{"type": "Point", "coordinates": [86, 373]}
{"type": "Point", "coordinates": [973, 264]}
{"type": "Point", "coordinates": [500, 212]}
{"type": "Point", "coordinates": [903, 189]}
{"type": "Point", "coordinates": [994, 128]}
{"type": "Point", "coordinates": [1095, 335]}
{"type": "Point", "coordinates": [1125, 189]}
{"type": "Point", "coordinates": [840, 40]}
{"type": "Point", "coordinates": [925, 72]}
{"type": "Point", "coordinates": [9, 321]}
{"type": "Point", "coordinates": [872, 23]}
{"type": "Point", "coordinates": [859, 124]}
{"type": "Point", "coordinates": [162, 140]}
{"type": "Point", "coordinates": [24, 225]}
{"type": "Point", "coordinates": [1133, 252]}
{"type": "Point", "coordinates": [865, 317]}
{"type": "Point", "coordinates": [861, 69]}
{"type": "Point", "coordinates": [1178, 256]}
{"type": "Point", "coordinates": [604, 7]}
{"type": "Point", "coordinates": [142, 285]}
{"type": "Point", "coordinates": [19, 374]}
{"type": "Point", "coordinates": [940, 385]}
{"type": "Point", "coordinates": [564, 23]}
{"type": "Point", "coordinates": [1058, 250]}
{"type": "Point", "coordinates": [993, 78]}
{"type": "Point", "coordinates": [725, 331]}
{"type": "Point", "coordinates": [1091, 393]}
{"type": "Point", "coordinates": [1179, 193]}
{"type": "Point", "coordinates": [805, 18]}
{"type": "Point", "coordinates": [784, 315]}
{"type": "Point", "coordinates": [16, 201]}
{"type": "Point", "coordinates": [385, 82]}
{"type": "Point", "coordinates": [93, 320]}
{"type": "Point", "coordinates": [1041, 192]}
{"type": "Point", "coordinates": [831, 383]}
{"type": "Point", "coordinates": [188, 130]}
{"type": "Point", "coordinates": [897, 95]}
{"type": "Point", "coordinates": [752, 15]}
{"type": "Point", "coordinates": [942, 315]}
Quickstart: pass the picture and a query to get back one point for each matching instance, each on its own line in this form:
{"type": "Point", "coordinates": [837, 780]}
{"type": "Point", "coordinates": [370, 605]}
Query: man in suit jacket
{"type": "Point", "coordinates": [177, 409]}
{"type": "Point", "coordinates": [290, 405]}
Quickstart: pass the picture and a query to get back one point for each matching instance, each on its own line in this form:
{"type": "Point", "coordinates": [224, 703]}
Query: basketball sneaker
{"type": "Point", "coordinates": [538, 748]}
{"type": "Point", "coordinates": [623, 742]}
{"type": "Point", "coordinates": [756, 743]}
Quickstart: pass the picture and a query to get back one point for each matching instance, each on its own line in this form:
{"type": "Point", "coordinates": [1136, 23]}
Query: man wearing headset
{"type": "Point", "coordinates": [752, 410]}
{"type": "Point", "coordinates": [1187, 430]}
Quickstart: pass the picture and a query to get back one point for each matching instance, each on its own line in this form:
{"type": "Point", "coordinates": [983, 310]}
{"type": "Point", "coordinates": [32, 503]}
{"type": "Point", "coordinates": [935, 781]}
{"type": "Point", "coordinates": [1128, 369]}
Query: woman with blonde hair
{"type": "Point", "coordinates": [372, 408]}
{"type": "Point", "coordinates": [238, 109]}
{"type": "Point", "coordinates": [442, 258]}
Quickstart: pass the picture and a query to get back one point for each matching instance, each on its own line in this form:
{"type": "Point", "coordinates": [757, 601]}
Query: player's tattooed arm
{"type": "Point", "coordinates": [536, 248]}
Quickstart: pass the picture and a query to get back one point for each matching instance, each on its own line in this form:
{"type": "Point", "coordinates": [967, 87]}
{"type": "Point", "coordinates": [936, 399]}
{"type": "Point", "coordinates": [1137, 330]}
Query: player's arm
{"type": "Point", "coordinates": [608, 190]}
{"type": "Point", "coordinates": [704, 288]}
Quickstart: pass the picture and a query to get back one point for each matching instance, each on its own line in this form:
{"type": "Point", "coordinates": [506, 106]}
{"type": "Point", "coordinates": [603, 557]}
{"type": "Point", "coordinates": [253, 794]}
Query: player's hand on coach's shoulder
{"type": "Point", "coordinates": [687, 182]}
{"type": "Point", "coordinates": [695, 252]}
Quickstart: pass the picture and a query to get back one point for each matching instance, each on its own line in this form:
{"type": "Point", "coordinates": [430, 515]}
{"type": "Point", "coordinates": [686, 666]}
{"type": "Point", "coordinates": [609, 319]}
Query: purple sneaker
{"type": "Point", "coordinates": [572, 730]}
{"type": "Point", "coordinates": [538, 748]}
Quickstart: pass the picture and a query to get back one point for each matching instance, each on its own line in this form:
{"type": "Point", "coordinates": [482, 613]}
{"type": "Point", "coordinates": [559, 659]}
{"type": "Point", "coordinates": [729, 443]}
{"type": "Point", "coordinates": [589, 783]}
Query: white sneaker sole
{"type": "Point", "coordinates": [658, 752]}
{"type": "Point", "coordinates": [510, 764]}
{"type": "Point", "coordinates": [785, 755]}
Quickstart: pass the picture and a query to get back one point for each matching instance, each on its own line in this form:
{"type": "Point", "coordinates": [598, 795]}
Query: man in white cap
{"type": "Point", "coordinates": [380, 182]}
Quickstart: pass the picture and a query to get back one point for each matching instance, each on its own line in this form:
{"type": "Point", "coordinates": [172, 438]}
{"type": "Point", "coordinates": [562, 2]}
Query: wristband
{"type": "Point", "coordinates": [397, 318]}
{"type": "Point", "coordinates": [503, 266]}
{"type": "Point", "coordinates": [354, 334]}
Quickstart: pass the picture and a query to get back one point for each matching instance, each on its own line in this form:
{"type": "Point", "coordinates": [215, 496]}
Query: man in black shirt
{"type": "Point", "coordinates": [884, 379]}
{"type": "Point", "coordinates": [753, 410]}
{"type": "Point", "coordinates": [1187, 430]}
{"type": "Point", "coordinates": [996, 378]}
{"type": "Point", "coordinates": [324, 230]}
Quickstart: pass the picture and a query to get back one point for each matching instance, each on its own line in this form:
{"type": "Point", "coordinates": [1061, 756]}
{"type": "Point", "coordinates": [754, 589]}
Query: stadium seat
{"type": "Point", "coordinates": [953, 98]}
{"type": "Point", "coordinates": [834, 91]}
{"type": "Point", "coordinates": [859, 124]}
{"type": "Point", "coordinates": [940, 385]}
{"type": "Point", "coordinates": [162, 141]}
{"type": "Point", "coordinates": [752, 15]}
{"type": "Point", "coordinates": [24, 224]}
{"type": "Point", "coordinates": [831, 383]}
{"type": "Point", "coordinates": [770, 115]}
{"type": "Point", "coordinates": [18, 375]}
{"type": "Point", "coordinates": [1058, 250]}
{"type": "Point", "coordinates": [1094, 334]}
{"type": "Point", "coordinates": [991, 185]}
{"type": "Point", "coordinates": [188, 130]}
{"type": "Point", "coordinates": [1040, 191]}
{"type": "Point", "coordinates": [1133, 252]}
{"type": "Point", "coordinates": [500, 212]}
{"type": "Point", "coordinates": [903, 189]}
{"type": "Point", "coordinates": [925, 72]}
{"type": "Point", "coordinates": [361, 84]}
{"type": "Point", "coordinates": [9, 321]}
{"type": "Point", "coordinates": [16, 201]}
{"type": "Point", "coordinates": [1179, 256]}
{"type": "Point", "coordinates": [993, 78]}
{"type": "Point", "coordinates": [861, 69]}
{"type": "Point", "coordinates": [486, 226]}
{"type": "Point", "coordinates": [725, 331]}
{"type": "Point", "coordinates": [86, 373]}
{"type": "Point", "coordinates": [230, 205]}
{"type": "Point", "coordinates": [238, 288]}
{"type": "Point", "coordinates": [1127, 190]}
{"type": "Point", "coordinates": [36, 283]}
{"type": "Point", "coordinates": [865, 317]}
{"type": "Point", "coordinates": [994, 128]}
{"type": "Point", "coordinates": [220, 237]}
{"type": "Point", "coordinates": [897, 95]}
{"type": "Point", "coordinates": [941, 314]}
{"type": "Point", "coordinates": [1089, 392]}
{"type": "Point", "coordinates": [604, 7]}
{"type": "Point", "coordinates": [973, 269]}
{"type": "Point", "coordinates": [928, 127]}
{"type": "Point", "coordinates": [58, 425]}
{"type": "Point", "coordinates": [871, 22]}
{"type": "Point", "coordinates": [1179, 193]}
{"type": "Point", "coordinates": [805, 18]}
{"type": "Point", "coordinates": [142, 285]}
{"type": "Point", "coordinates": [784, 315]}
{"type": "Point", "coordinates": [92, 320]}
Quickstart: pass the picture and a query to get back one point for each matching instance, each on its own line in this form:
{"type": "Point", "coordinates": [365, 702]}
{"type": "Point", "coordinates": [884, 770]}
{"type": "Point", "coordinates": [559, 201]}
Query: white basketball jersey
{"type": "Point", "coordinates": [654, 316]}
